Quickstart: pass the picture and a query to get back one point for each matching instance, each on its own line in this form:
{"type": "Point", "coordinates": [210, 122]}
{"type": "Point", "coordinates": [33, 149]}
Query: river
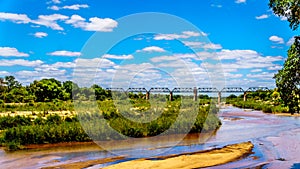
{"type": "Point", "coordinates": [276, 140]}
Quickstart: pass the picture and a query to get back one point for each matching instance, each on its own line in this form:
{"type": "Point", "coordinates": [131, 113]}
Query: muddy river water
{"type": "Point", "coordinates": [276, 142]}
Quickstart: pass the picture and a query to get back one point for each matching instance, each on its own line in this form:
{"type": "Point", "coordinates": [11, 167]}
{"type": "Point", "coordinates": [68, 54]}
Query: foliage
{"type": "Point", "coordinates": [265, 106]}
{"type": "Point", "coordinates": [48, 133]}
{"type": "Point", "coordinates": [37, 106]}
{"type": "Point", "coordinates": [289, 9]}
{"type": "Point", "coordinates": [288, 79]}
{"type": "Point", "coordinates": [48, 90]}
{"type": "Point", "coordinates": [126, 114]}
{"type": "Point", "coordinates": [23, 130]}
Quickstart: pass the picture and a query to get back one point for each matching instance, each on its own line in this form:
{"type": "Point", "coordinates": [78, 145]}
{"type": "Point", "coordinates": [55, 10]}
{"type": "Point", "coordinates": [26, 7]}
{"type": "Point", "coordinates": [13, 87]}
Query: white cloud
{"type": "Point", "coordinates": [94, 24]}
{"type": "Point", "coordinates": [212, 46]}
{"type": "Point", "coordinates": [276, 39]}
{"type": "Point", "coordinates": [8, 51]}
{"type": "Point", "coordinates": [122, 57]}
{"type": "Point", "coordinates": [243, 59]}
{"type": "Point", "coordinates": [174, 57]}
{"type": "Point", "coordinates": [164, 58]}
{"type": "Point", "coordinates": [152, 49]}
{"type": "Point", "coordinates": [54, 7]}
{"type": "Point", "coordinates": [193, 34]}
{"type": "Point", "coordinates": [56, 1]}
{"type": "Point", "coordinates": [184, 35]}
{"type": "Point", "coordinates": [263, 75]}
{"type": "Point", "coordinates": [50, 21]}
{"type": "Point", "coordinates": [264, 16]}
{"type": "Point", "coordinates": [76, 6]}
{"type": "Point", "coordinates": [71, 7]}
{"type": "Point", "coordinates": [256, 70]}
{"type": "Point", "coordinates": [290, 41]}
{"type": "Point", "coordinates": [4, 73]}
{"type": "Point", "coordinates": [232, 76]}
{"type": "Point", "coordinates": [17, 18]}
{"type": "Point", "coordinates": [240, 1]}
{"type": "Point", "coordinates": [21, 62]}
{"type": "Point", "coordinates": [195, 44]}
{"type": "Point", "coordinates": [237, 54]}
{"type": "Point", "coordinates": [64, 65]}
{"type": "Point", "coordinates": [94, 63]}
{"type": "Point", "coordinates": [40, 34]}
{"type": "Point", "coordinates": [36, 74]}
{"type": "Point", "coordinates": [45, 20]}
{"type": "Point", "coordinates": [65, 53]}
{"type": "Point", "coordinates": [276, 67]}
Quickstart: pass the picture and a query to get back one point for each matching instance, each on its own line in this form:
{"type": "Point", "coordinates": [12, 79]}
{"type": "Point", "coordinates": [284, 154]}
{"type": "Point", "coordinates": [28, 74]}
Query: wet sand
{"type": "Point", "coordinates": [192, 160]}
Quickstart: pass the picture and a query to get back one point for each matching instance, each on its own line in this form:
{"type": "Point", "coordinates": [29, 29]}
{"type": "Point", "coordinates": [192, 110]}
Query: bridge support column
{"type": "Point", "coordinates": [171, 96]}
{"type": "Point", "coordinates": [147, 95]}
{"type": "Point", "coordinates": [195, 94]}
{"type": "Point", "coordinates": [219, 98]}
{"type": "Point", "coordinates": [245, 96]}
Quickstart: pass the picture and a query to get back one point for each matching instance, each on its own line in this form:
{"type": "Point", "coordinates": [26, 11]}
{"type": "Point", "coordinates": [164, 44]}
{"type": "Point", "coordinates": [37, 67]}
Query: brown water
{"type": "Point", "coordinates": [275, 139]}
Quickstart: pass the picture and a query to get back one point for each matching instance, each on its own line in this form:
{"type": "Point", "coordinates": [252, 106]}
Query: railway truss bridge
{"type": "Point", "coordinates": [193, 91]}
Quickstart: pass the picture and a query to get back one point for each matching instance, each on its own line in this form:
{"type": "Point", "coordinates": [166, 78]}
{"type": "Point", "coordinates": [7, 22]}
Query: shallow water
{"type": "Point", "coordinates": [276, 141]}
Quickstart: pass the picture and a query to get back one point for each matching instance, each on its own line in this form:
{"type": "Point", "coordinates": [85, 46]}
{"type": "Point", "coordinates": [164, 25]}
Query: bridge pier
{"type": "Point", "coordinates": [171, 96]}
{"type": "Point", "coordinates": [195, 93]}
{"type": "Point", "coordinates": [245, 96]}
{"type": "Point", "coordinates": [147, 95]}
{"type": "Point", "coordinates": [219, 98]}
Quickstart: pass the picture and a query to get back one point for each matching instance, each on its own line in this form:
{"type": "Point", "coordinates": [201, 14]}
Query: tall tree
{"type": "Point", "coordinates": [12, 83]}
{"type": "Point", "coordinates": [287, 79]}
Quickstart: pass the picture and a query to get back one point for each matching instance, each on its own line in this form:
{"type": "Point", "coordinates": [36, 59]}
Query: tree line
{"type": "Point", "coordinates": [288, 78]}
{"type": "Point", "coordinates": [47, 90]}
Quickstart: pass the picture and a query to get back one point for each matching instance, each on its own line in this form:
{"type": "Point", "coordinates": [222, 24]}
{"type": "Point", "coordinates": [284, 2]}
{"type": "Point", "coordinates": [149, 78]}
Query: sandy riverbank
{"type": "Point", "coordinates": [193, 160]}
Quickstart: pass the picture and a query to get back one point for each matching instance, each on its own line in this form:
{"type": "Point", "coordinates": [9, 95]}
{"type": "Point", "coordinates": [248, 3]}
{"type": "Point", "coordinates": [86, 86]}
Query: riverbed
{"type": "Point", "coordinates": [276, 144]}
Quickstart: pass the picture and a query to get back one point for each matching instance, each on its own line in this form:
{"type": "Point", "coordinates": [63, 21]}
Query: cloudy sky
{"type": "Point", "coordinates": [212, 42]}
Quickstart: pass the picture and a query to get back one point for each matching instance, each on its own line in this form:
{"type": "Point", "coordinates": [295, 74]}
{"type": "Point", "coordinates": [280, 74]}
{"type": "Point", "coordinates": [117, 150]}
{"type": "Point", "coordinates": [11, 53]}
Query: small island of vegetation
{"type": "Point", "coordinates": [43, 112]}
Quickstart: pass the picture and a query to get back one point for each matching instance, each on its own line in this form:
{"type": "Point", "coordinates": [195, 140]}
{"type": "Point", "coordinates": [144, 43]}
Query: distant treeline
{"type": "Point", "coordinates": [47, 90]}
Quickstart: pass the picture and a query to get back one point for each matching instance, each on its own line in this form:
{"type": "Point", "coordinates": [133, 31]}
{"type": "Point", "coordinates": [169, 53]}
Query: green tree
{"type": "Point", "coordinates": [100, 93]}
{"type": "Point", "coordinates": [47, 90]}
{"type": "Point", "coordinates": [70, 88]}
{"type": "Point", "coordinates": [287, 79]}
{"type": "Point", "coordinates": [12, 83]}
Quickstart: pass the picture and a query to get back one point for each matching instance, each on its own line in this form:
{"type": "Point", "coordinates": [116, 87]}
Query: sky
{"type": "Point", "coordinates": [138, 43]}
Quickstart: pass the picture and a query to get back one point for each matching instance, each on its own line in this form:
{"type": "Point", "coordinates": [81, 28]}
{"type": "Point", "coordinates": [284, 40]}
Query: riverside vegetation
{"type": "Point", "coordinates": [51, 117]}
{"type": "Point", "coordinates": [266, 101]}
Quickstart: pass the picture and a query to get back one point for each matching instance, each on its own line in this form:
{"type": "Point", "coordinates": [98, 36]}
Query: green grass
{"type": "Point", "coordinates": [37, 106]}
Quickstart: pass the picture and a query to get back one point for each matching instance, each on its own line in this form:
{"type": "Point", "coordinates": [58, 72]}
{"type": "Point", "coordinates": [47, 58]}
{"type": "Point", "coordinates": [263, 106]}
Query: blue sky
{"type": "Point", "coordinates": [239, 42]}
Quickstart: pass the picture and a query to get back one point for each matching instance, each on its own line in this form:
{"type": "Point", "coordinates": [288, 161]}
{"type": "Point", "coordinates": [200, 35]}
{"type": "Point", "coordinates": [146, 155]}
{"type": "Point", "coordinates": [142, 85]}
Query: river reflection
{"type": "Point", "coordinates": [276, 141]}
